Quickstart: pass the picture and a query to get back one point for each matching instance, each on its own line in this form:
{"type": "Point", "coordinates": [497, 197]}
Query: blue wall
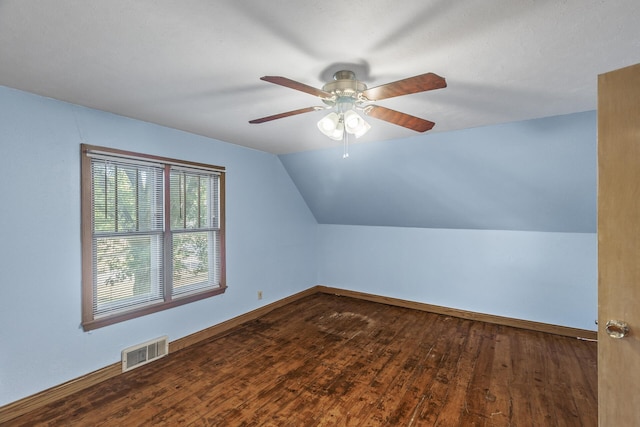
{"type": "Point", "coordinates": [271, 239]}
{"type": "Point", "coordinates": [537, 276]}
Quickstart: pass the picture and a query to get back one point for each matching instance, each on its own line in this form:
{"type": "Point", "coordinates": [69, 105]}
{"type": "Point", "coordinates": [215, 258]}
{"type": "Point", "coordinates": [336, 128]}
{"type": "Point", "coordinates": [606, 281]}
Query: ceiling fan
{"type": "Point", "coordinates": [345, 96]}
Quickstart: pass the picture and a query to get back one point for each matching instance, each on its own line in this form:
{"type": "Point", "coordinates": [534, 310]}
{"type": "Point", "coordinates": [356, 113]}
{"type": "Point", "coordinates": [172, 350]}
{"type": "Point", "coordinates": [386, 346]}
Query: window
{"type": "Point", "coordinates": [152, 234]}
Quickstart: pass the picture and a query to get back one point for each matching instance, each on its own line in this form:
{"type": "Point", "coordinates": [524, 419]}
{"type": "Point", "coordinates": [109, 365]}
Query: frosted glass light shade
{"type": "Point", "coordinates": [354, 124]}
{"type": "Point", "coordinates": [332, 126]}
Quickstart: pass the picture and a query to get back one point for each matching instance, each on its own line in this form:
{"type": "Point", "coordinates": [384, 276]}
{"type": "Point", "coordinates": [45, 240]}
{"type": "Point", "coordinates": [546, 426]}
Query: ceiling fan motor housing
{"type": "Point", "coordinates": [344, 81]}
{"type": "Point", "coordinates": [343, 86]}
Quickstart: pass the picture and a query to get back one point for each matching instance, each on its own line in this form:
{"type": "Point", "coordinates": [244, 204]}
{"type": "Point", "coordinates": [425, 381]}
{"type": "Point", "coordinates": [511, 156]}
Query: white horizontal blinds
{"type": "Point", "coordinates": [127, 223]}
{"type": "Point", "coordinates": [195, 230]}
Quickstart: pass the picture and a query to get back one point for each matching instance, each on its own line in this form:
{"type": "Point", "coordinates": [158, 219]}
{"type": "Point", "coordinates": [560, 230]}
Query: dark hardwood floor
{"type": "Point", "coordinates": [327, 360]}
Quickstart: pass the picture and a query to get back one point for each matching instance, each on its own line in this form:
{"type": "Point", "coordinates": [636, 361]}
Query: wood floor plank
{"type": "Point", "coordinates": [326, 360]}
{"type": "Point", "coordinates": [450, 391]}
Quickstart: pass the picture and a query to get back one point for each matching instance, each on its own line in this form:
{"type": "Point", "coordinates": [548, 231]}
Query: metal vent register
{"type": "Point", "coordinates": [144, 353]}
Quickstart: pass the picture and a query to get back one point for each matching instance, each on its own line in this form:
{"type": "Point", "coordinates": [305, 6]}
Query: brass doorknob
{"type": "Point", "coordinates": [616, 329]}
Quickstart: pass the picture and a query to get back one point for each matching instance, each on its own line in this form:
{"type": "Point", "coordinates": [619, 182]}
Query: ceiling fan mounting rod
{"type": "Point", "coordinates": [344, 75]}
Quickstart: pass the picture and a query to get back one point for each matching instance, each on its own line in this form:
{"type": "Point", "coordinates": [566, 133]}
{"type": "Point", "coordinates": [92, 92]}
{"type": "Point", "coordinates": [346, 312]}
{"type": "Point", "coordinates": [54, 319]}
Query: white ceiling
{"type": "Point", "coordinates": [195, 65]}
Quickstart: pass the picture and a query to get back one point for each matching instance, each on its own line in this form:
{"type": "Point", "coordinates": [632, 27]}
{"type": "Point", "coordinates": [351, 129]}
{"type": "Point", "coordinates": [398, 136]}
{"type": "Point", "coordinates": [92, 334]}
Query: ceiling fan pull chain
{"type": "Point", "coordinates": [345, 140]}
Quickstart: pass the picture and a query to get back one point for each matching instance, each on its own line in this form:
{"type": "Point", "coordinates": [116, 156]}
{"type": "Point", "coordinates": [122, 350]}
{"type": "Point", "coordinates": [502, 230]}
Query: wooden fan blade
{"type": "Point", "coordinates": [421, 83]}
{"type": "Point", "coordinates": [292, 84]}
{"type": "Point", "coordinates": [398, 118]}
{"type": "Point", "coordinates": [287, 114]}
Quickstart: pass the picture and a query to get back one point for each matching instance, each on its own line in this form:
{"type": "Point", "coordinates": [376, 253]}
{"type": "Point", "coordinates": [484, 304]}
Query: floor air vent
{"type": "Point", "coordinates": [144, 353]}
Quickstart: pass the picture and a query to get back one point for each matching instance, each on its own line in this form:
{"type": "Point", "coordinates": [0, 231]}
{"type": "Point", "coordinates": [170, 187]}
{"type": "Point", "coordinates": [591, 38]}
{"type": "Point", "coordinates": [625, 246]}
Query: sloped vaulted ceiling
{"type": "Point", "coordinates": [535, 175]}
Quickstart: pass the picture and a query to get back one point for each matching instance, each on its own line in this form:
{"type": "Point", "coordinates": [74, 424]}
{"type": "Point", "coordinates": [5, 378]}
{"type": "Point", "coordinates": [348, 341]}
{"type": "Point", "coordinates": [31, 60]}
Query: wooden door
{"type": "Point", "coordinates": [619, 246]}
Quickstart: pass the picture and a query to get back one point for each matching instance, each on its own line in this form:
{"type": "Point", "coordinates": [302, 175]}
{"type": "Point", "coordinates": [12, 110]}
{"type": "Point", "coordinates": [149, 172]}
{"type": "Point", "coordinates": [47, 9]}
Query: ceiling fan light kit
{"type": "Point", "coordinates": [345, 96]}
{"type": "Point", "coordinates": [343, 119]}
